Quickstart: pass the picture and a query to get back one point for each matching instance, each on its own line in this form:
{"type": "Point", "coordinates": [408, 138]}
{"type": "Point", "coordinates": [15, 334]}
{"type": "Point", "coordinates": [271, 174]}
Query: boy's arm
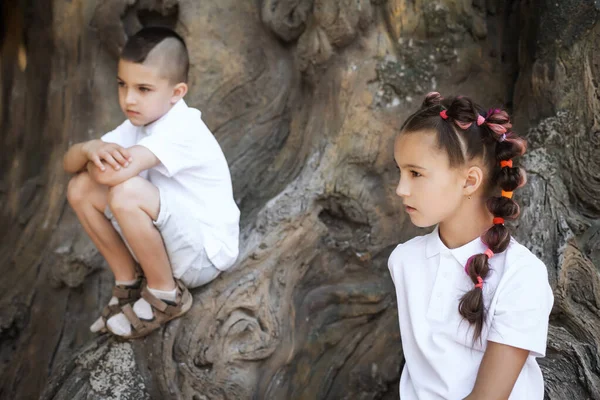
{"type": "Point", "coordinates": [96, 151]}
{"type": "Point", "coordinates": [75, 159]}
{"type": "Point", "coordinates": [498, 372]}
{"type": "Point", "coordinates": [141, 159]}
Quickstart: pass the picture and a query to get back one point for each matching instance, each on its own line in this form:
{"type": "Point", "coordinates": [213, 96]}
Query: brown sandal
{"type": "Point", "coordinates": [162, 311]}
{"type": "Point", "coordinates": [125, 295]}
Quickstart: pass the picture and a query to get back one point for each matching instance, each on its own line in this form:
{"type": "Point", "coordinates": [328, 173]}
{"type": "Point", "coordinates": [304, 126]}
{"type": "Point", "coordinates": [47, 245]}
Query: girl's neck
{"type": "Point", "coordinates": [469, 222]}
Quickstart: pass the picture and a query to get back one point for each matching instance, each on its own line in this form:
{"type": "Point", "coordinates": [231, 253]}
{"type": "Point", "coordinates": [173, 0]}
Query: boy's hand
{"type": "Point", "coordinates": [115, 155]}
{"type": "Point", "coordinates": [144, 159]}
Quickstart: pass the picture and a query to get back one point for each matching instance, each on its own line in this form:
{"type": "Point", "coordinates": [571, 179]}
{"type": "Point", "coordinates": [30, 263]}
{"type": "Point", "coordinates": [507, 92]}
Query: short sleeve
{"type": "Point", "coordinates": [520, 318]}
{"type": "Point", "coordinates": [178, 149]}
{"type": "Point", "coordinates": [121, 135]}
{"type": "Point", "coordinates": [394, 260]}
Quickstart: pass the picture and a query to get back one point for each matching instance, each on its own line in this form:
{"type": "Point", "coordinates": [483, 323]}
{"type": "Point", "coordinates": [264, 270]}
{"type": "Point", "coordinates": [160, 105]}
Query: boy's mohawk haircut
{"type": "Point", "coordinates": [139, 46]}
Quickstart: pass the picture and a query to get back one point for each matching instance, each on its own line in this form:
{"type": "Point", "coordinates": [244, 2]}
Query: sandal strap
{"type": "Point", "coordinates": [124, 292]}
{"type": "Point", "coordinates": [161, 305]}
{"type": "Point", "coordinates": [181, 286]}
{"type": "Point", "coordinates": [132, 317]}
{"type": "Point", "coordinates": [110, 310]}
{"type": "Point", "coordinates": [154, 301]}
{"type": "Point", "coordinates": [181, 291]}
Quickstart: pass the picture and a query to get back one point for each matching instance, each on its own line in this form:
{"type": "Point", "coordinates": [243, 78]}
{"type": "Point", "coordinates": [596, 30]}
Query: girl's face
{"type": "Point", "coordinates": [431, 191]}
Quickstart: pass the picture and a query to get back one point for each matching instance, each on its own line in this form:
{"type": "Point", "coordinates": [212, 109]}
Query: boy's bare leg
{"type": "Point", "coordinates": [135, 204]}
{"type": "Point", "coordinates": [89, 200]}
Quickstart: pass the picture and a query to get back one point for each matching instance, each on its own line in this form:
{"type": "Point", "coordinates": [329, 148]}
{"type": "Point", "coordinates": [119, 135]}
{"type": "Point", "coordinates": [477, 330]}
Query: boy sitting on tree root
{"type": "Point", "coordinates": [155, 194]}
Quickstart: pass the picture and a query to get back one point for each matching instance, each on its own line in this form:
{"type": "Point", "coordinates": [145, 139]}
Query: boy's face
{"type": "Point", "coordinates": [144, 96]}
{"type": "Point", "coordinates": [430, 190]}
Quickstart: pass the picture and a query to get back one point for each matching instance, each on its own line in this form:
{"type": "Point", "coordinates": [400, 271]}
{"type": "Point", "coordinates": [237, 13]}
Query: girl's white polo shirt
{"type": "Point", "coordinates": [441, 359]}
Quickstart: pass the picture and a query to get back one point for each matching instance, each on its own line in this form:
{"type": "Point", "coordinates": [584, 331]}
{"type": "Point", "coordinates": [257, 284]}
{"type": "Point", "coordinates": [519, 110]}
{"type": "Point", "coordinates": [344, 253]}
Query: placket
{"type": "Point", "coordinates": [442, 286]}
{"type": "Point", "coordinates": [142, 133]}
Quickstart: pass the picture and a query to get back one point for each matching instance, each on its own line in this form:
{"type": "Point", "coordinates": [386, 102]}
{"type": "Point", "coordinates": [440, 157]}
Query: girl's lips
{"type": "Point", "coordinates": [410, 209]}
{"type": "Point", "coordinates": [129, 112]}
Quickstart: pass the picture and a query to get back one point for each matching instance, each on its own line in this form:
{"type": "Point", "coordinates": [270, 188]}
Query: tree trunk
{"type": "Point", "coordinates": [305, 97]}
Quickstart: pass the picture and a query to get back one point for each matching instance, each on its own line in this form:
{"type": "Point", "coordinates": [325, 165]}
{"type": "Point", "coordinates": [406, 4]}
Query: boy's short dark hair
{"type": "Point", "coordinates": [175, 64]}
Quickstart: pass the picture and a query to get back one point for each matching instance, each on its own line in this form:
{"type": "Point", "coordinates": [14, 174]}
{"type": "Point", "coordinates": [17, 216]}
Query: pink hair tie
{"type": "Point", "coordinates": [502, 138]}
{"type": "Point", "coordinates": [480, 120]}
{"type": "Point", "coordinates": [468, 263]}
{"type": "Point", "coordinates": [443, 114]}
{"type": "Point", "coordinates": [479, 282]}
{"type": "Point", "coordinates": [489, 253]}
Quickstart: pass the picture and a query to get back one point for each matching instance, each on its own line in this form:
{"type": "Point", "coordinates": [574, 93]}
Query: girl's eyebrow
{"type": "Point", "coordinates": [412, 166]}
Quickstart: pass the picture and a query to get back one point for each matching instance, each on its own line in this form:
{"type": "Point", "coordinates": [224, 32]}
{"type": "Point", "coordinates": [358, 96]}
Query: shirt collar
{"type": "Point", "coordinates": [435, 246]}
{"type": "Point", "coordinates": [177, 109]}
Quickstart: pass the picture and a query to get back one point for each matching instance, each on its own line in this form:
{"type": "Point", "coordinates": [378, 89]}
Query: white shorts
{"type": "Point", "coordinates": [183, 242]}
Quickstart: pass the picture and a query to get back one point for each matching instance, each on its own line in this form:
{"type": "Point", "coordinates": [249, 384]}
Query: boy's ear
{"type": "Point", "coordinates": [473, 180]}
{"type": "Point", "coordinates": [179, 91]}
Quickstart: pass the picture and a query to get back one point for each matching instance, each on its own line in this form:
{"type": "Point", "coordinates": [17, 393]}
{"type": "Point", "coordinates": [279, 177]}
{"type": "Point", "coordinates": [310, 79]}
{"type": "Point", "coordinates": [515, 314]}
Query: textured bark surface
{"type": "Point", "coordinates": [305, 97]}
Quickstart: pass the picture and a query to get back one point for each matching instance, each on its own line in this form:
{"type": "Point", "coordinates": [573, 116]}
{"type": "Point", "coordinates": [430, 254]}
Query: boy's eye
{"type": "Point", "coordinates": [144, 89]}
{"type": "Point", "coordinates": [415, 174]}
{"type": "Point", "coordinates": [121, 84]}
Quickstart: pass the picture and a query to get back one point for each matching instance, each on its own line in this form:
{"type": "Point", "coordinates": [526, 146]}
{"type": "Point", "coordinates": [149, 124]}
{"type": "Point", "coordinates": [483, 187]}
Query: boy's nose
{"type": "Point", "coordinates": [130, 97]}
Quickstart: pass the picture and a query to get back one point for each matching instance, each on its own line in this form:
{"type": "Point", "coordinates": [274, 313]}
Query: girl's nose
{"type": "Point", "coordinates": [402, 189]}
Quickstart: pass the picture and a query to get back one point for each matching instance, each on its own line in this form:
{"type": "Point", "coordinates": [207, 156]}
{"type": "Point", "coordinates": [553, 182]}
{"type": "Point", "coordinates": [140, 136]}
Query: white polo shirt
{"type": "Point", "coordinates": [194, 173]}
{"type": "Point", "coordinates": [441, 359]}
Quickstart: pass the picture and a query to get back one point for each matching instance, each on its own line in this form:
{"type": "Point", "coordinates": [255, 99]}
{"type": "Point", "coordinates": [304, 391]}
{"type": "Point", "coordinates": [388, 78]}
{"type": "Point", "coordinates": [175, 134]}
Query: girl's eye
{"type": "Point", "coordinates": [143, 89]}
{"type": "Point", "coordinates": [121, 84]}
{"type": "Point", "coordinates": [415, 174]}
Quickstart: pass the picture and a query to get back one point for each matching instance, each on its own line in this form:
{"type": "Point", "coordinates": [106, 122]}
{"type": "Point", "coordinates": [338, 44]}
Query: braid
{"type": "Point", "coordinates": [506, 178]}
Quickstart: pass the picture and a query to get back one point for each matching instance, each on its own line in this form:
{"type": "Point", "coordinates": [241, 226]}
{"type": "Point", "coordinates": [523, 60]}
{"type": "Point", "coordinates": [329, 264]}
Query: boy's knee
{"type": "Point", "coordinates": [78, 188]}
{"type": "Point", "coordinates": [124, 196]}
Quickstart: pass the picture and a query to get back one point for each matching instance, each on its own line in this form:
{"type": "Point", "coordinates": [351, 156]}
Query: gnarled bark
{"type": "Point", "coordinates": [305, 97]}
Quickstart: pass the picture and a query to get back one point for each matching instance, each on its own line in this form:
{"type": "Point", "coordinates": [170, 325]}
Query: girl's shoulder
{"type": "Point", "coordinates": [521, 261]}
{"type": "Point", "coordinates": [414, 247]}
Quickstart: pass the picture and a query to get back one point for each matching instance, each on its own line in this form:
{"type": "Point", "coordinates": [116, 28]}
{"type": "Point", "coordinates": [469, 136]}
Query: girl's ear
{"type": "Point", "coordinates": [473, 180]}
{"type": "Point", "coordinates": [179, 91]}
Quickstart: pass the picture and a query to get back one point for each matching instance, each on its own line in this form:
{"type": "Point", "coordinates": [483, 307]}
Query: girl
{"type": "Point", "coordinates": [473, 304]}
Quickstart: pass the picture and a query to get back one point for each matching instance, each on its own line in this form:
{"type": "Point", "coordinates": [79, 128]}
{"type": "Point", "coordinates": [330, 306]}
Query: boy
{"type": "Point", "coordinates": [155, 194]}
